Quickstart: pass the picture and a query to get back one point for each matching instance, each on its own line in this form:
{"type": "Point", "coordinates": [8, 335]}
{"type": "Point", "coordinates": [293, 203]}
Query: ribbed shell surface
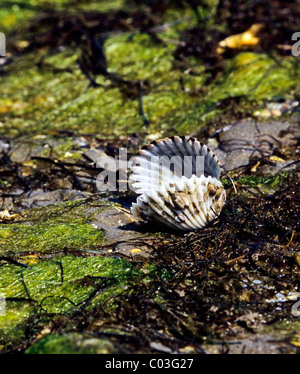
{"type": "Point", "coordinates": [169, 195]}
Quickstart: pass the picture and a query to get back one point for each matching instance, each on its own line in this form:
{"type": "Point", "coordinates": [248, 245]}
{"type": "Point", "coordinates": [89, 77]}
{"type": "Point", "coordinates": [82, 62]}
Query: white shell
{"type": "Point", "coordinates": [185, 202]}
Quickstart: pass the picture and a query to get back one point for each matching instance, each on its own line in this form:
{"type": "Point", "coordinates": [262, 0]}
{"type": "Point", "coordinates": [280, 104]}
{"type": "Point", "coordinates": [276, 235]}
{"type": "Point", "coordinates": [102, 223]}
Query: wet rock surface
{"type": "Point", "coordinates": [243, 143]}
{"type": "Point", "coordinates": [127, 237]}
{"type": "Point", "coordinates": [261, 345]}
{"type": "Point", "coordinates": [43, 198]}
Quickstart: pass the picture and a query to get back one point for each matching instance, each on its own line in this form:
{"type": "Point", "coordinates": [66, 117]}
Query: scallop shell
{"type": "Point", "coordinates": [186, 196]}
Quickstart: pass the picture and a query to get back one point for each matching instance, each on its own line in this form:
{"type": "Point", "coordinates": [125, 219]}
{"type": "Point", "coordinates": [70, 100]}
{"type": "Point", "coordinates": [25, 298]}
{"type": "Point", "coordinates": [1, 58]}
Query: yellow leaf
{"type": "Point", "coordinates": [253, 169]}
{"type": "Point", "coordinates": [135, 250]}
{"type": "Point", "coordinates": [21, 44]}
{"type": "Point", "coordinates": [295, 340]}
{"type": "Point", "coordinates": [7, 217]}
{"type": "Point", "coordinates": [276, 159]}
{"type": "Point", "coordinates": [246, 39]}
{"type": "Point", "coordinates": [30, 259]}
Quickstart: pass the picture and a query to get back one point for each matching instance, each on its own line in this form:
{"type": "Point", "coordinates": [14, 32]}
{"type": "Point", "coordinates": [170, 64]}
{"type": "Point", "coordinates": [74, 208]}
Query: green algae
{"type": "Point", "coordinates": [286, 329]}
{"type": "Point", "coordinates": [54, 228]}
{"type": "Point", "coordinates": [245, 75]}
{"type": "Point", "coordinates": [62, 149]}
{"type": "Point", "coordinates": [166, 105]}
{"type": "Point", "coordinates": [61, 285]}
{"type": "Point", "coordinates": [14, 14]}
{"type": "Point", "coordinates": [62, 278]}
{"type": "Point", "coordinates": [49, 99]}
{"type": "Point", "coordinates": [57, 227]}
{"type": "Point", "coordinates": [53, 237]}
{"type": "Point", "coordinates": [77, 212]}
{"type": "Point", "coordinates": [268, 182]}
{"type": "Point", "coordinates": [72, 343]}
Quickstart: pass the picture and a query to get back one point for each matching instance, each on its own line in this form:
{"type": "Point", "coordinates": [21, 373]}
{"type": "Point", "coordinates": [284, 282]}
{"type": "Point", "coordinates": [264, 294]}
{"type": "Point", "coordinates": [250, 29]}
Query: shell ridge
{"type": "Point", "coordinates": [194, 198]}
{"type": "Point", "coordinates": [177, 143]}
{"type": "Point", "coordinates": [166, 145]}
{"type": "Point", "coordinates": [199, 200]}
{"type": "Point", "coordinates": [155, 206]}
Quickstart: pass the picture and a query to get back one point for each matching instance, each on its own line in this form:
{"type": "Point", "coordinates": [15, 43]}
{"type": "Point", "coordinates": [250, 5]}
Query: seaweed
{"type": "Point", "coordinates": [203, 283]}
{"type": "Point", "coordinates": [197, 290]}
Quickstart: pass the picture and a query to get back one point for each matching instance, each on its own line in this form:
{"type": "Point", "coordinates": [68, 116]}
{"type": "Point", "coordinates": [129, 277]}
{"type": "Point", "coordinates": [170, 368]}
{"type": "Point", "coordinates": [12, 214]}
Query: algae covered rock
{"type": "Point", "coordinates": [71, 343]}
